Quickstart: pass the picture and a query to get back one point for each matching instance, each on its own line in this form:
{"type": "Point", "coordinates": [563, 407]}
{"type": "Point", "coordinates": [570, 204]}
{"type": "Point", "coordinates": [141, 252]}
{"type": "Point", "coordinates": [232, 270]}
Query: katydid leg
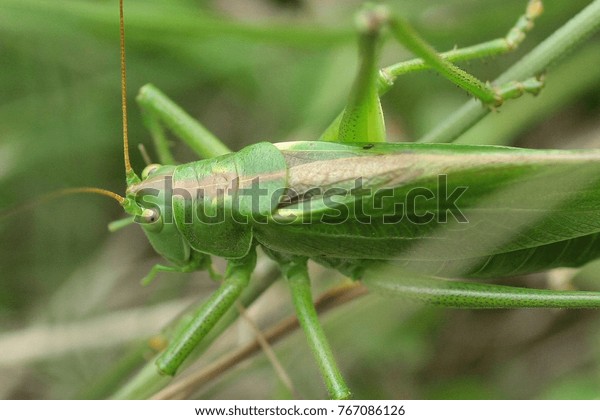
{"type": "Point", "coordinates": [388, 75]}
{"type": "Point", "coordinates": [160, 109]}
{"type": "Point", "coordinates": [159, 137]}
{"type": "Point", "coordinates": [510, 42]}
{"type": "Point", "coordinates": [194, 265]}
{"type": "Point", "coordinates": [489, 95]}
{"type": "Point", "coordinates": [557, 45]}
{"type": "Point", "coordinates": [363, 118]}
{"type": "Point", "coordinates": [297, 275]}
{"type": "Point", "coordinates": [148, 381]}
{"type": "Point", "coordinates": [388, 280]}
{"type": "Point", "coordinates": [236, 279]}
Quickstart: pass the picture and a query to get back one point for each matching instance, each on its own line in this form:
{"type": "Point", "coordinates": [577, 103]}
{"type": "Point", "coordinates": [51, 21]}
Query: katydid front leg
{"type": "Point", "coordinates": [198, 262]}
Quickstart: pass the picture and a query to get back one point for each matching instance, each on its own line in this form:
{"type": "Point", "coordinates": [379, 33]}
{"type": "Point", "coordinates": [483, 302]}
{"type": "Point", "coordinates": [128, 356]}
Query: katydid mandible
{"type": "Point", "coordinates": [355, 203]}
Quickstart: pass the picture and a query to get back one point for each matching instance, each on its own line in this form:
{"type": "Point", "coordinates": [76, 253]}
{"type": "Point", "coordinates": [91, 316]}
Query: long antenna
{"type": "Point", "coordinates": [87, 190]}
{"type": "Point", "coordinates": [28, 205]}
{"type": "Point", "coordinates": [129, 173]}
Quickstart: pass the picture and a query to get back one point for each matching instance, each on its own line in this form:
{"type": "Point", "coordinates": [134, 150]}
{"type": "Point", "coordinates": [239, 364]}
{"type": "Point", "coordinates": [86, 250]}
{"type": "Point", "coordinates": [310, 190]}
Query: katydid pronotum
{"type": "Point", "coordinates": [336, 201]}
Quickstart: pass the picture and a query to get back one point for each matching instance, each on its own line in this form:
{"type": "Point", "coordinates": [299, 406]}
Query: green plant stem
{"type": "Point", "coordinates": [161, 144]}
{"type": "Point", "coordinates": [168, 20]}
{"type": "Point", "coordinates": [112, 379]}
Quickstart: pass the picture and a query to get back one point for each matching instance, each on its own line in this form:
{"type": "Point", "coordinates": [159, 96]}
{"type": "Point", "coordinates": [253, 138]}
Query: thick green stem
{"type": "Point", "coordinates": [297, 275]}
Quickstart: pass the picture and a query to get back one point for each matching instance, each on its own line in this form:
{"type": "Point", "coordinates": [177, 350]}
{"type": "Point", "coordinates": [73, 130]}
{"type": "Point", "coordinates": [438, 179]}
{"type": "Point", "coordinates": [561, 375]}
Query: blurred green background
{"type": "Point", "coordinates": [252, 70]}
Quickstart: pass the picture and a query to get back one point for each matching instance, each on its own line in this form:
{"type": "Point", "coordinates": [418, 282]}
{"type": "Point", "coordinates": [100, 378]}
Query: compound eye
{"type": "Point", "coordinates": [150, 218]}
{"type": "Point", "coordinates": [149, 170]}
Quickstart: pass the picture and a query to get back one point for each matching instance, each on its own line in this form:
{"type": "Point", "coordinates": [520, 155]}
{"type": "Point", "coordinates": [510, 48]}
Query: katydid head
{"type": "Point", "coordinates": [149, 202]}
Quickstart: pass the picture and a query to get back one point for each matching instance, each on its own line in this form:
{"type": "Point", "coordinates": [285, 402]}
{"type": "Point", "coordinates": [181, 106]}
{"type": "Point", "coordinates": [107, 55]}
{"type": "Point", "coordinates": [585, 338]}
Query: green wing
{"type": "Point", "coordinates": [448, 210]}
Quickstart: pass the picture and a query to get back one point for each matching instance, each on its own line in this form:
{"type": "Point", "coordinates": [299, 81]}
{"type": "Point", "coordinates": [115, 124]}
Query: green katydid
{"type": "Point", "coordinates": [353, 202]}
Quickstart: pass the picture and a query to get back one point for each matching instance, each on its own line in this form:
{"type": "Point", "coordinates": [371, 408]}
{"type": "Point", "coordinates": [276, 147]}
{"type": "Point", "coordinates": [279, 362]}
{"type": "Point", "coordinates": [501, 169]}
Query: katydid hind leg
{"type": "Point", "coordinates": [513, 38]}
{"type": "Point", "coordinates": [487, 94]}
{"type": "Point", "coordinates": [159, 138]}
{"type": "Point", "coordinates": [161, 112]}
{"type": "Point", "coordinates": [362, 119]}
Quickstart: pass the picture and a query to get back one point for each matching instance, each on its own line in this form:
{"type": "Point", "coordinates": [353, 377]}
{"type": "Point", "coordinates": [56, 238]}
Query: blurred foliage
{"type": "Point", "coordinates": [250, 71]}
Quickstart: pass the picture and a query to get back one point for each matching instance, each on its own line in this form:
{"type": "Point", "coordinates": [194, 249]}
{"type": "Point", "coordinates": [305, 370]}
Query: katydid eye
{"type": "Point", "coordinates": [150, 216]}
{"type": "Point", "coordinates": [151, 220]}
{"type": "Point", "coordinates": [149, 170]}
